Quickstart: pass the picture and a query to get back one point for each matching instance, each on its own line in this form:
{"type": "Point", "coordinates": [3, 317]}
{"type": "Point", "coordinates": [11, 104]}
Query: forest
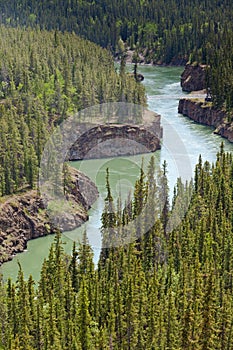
{"type": "Point", "coordinates": [165, 32]}
{"type": "Point", "coordinates": [44, 80]}
{"type": "Point", "coordinates": [165, 29]}
{"type": "Point", "coordinates": [166, 289]}
{"type": "Point", "coordinates": [171, 286]}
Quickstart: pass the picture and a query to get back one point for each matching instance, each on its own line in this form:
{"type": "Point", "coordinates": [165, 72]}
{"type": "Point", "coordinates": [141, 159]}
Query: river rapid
{"type": "Point", "coordinates": [183, 142]}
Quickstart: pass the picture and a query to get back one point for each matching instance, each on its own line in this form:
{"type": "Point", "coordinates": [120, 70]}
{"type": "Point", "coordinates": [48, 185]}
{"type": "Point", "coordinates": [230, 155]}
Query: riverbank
{"type": "Point", "coordinates": [24, 217]}
{"type": "Point", "coordinates": [145, 58]}
{"type": "Point", "coordinates": [202, 112]}
{"type": "Point", "coordinates": [162, 86]}
{"type": "Point", "coordinates": [193, 79]}
{"type": "Point", "coordinates": [115, 139]}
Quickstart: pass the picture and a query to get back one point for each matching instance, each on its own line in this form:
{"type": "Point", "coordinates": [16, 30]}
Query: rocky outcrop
{"type": "Point", "coordinates": [111, 140]}
{"type": "Point", "coordinates": [178, 61]}
{"type": "Point", "coordinates": [203, 113]}
{"type": "Point", "coordinates": [225, 129]}
{"type": "Point", "coordinates": [130, 57]}
{"type": "Point", "coordinates": [23, 216]}
{"type": "Point", "coordinates": [193, 77]}
{"type": "Point", "coordinates": [80, 195]}
{"type": "Point", "coordinates": [200, 112]}
{"type": "Point", "coordinates": [148, 57]}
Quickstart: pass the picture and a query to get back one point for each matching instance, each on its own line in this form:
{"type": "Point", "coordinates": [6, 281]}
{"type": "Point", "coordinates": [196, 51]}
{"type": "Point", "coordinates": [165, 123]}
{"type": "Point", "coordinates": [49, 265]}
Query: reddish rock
{"type": "Point", "coordinates": [200, 112]}
{"type": "Point", "coordinates": [111, 140]}
{"type": "Point", "coordinates": [23, 217]}
{"type": "Point", "coordinates": [203, 113]}
{"type": "Point", "coordinates": [193, 77]}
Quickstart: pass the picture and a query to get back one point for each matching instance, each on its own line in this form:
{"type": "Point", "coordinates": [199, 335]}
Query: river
{"type": "Point", "coordinates": [183, 141]}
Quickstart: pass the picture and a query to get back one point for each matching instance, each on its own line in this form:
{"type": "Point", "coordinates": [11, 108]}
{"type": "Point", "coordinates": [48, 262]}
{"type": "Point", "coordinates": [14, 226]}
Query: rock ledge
{"type": "Point", "coordinates": [203, 113]}
{"type": "Point", "coordinates": [23, 216]}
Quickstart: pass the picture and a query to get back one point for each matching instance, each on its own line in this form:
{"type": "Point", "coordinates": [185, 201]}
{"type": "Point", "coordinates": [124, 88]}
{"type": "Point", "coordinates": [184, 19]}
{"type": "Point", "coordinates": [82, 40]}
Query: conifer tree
{"type": "Point", "coordinates": [83, 317]}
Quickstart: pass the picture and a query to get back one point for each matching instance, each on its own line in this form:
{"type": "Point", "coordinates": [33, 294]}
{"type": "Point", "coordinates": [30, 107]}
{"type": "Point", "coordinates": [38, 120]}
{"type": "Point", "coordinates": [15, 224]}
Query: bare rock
{"type": "Point", "coordinates": [203, 113]}
{"type": "Point", "coordinates": [23, 216]}
{"type": "Point", "coordinates": [193, 77]}
{"type": "Point", "coordinates": [111, 140]}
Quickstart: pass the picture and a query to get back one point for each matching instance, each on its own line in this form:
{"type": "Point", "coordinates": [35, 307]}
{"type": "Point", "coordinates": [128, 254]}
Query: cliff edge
{"type": "Point", "coordinates": [118, 139]}
{"type": "Point", "coordinates": [202, 112]}
{"type": "Point", "coordinates": [24, 216]}
{"type": "Point", "coordinates": [193, 77]}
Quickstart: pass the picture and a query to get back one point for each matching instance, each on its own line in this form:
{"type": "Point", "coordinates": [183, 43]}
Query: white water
{"type": "Point", "coordinates": [183, 141]}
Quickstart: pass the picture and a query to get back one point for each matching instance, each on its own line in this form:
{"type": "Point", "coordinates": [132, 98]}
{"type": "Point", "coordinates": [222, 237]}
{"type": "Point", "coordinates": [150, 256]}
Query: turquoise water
{"type": "Point", "coordinates": [183, 141]}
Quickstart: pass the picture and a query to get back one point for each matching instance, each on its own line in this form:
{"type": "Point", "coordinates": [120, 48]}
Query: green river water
{"type": "Point", "coordinates": [183, 141]}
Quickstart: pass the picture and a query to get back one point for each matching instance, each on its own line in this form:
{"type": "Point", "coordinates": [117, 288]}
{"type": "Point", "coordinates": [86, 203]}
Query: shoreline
{"type": "Point", "coordinates": [143, 64]}
{"type": "Point", "coordinates": [175, 62]}
{"type": "Point", "coordinates": [203, 113]}
{"type": "Point", "coordinates": [24, 217]}
{"type": "Point", "coordinates": [193, 80]}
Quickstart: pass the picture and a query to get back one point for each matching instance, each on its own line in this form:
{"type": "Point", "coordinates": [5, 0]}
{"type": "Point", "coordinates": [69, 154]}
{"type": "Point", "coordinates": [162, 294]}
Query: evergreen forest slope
{"type": "Point", "coordinates": [165, 29]}
{"type": "Point", "coordinates": [158, 292]}
{"type": "Point", "coordinates": [171, 287]}
{"type": "Point", "coordinates": [44, 78]}
{"type": "Point", "coordinates": [167, 32]}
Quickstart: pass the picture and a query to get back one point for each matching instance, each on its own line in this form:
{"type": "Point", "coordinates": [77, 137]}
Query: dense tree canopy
{"type": "Point", "coordinates": [163, 290]}
{"type": "Point", "coordinates": [44, 78]}
{"type": "Point", "coordinates": [165, 29]}
{"type": "Point", "coordinates": [219, 58]}
{"type": "Point", "coordinates": [170, 31]}
{"type": "Point", "coordinates": [171, 286]}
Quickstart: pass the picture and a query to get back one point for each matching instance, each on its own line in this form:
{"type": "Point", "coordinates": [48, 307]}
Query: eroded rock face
{"type": "Point", "coordinates": [23, 217]}
{"type": "Point", "coordinates": [111, 140]}
{"type": "Point", "coordinates": [203, 113]}
{"type": "Point", "coordinates": [193, 78]}
{"type": "Point", "coordinates": [114, 140]}
{"type": "Point", "coordinates": [200, 112]}
{"type": "Point", "coordinates": [82, 193]}
{"type": "Point", "coordinates": [225, 130]}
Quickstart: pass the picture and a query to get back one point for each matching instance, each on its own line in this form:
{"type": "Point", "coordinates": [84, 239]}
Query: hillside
{"type": "Point", "coordinates": [164, 278]}
{"type": "Point", "coordinates": [44, 78]}
{"type": "Point", "coordinates": [162, 30]}
{"type": "Point", "coordinates": [158, 32]}
{"type": "Point", "coordinates": [164, 290]}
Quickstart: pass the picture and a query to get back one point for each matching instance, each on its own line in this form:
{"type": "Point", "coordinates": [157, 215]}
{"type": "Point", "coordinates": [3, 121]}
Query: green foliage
{"type": "Point", "coordinates": [161, 291]}
{"type": "Point", "coordinates": [171, 287]}
{"type": "Point", "coordinates": [170, 31]}
{"type": "Point", "coordinates": [163, 30]}
{"type": "Point", "coordinates": [44, 78]}
{"type": "Point", "coordinates": [220, 71]}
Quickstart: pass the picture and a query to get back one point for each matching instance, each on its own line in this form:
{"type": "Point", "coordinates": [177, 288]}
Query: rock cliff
{"type": "Point", "coordinates": [203, 113]}
{"type": "Point", "coordinates": [23, 216]}
{"type": "Point", "coordinates": [110, 140]}
{"type": "Point", "coordinates": [193, 77]}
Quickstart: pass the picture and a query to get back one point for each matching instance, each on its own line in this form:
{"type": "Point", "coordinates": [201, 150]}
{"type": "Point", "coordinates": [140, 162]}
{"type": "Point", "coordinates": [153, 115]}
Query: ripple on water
{"type": "Point", "coordinates": [195, 138]}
